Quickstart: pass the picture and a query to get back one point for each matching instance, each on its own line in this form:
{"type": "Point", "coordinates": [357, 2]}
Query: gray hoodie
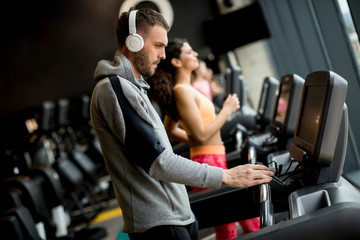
{"type": "Point", "coordinates": [148, 178]}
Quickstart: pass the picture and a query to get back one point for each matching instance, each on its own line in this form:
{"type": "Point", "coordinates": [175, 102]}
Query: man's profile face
{"type": "Point", "coordinates": [146, 61]}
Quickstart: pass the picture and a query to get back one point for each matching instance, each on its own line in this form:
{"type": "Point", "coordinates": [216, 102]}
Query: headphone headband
{"type": "Point", "coordinates": [134, 41]}
{"type": "Point", "coordinates": [132, 22]}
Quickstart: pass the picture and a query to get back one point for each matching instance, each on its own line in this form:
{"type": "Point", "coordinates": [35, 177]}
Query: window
{"type": "Point", "coordinates": [350, 28]}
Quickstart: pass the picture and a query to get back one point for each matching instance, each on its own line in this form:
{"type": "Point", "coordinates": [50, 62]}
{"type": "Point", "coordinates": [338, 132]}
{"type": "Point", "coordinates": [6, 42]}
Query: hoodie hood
{"type": "Point", "coordinates": [120, 66]}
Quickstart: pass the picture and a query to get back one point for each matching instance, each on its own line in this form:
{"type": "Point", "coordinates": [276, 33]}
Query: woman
{"type": "Point", "coordinates": [201, 78]}
{"type": "Point", "coordinates": [182, 104]}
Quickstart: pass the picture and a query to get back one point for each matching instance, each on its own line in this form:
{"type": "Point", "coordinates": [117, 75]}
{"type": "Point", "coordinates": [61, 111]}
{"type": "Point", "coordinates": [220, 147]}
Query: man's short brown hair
{"type": "Point", "coordinates": [145, 18]}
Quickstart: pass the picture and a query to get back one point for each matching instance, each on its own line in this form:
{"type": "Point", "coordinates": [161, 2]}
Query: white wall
{"type": "Point", "coordinates": [256, 63]}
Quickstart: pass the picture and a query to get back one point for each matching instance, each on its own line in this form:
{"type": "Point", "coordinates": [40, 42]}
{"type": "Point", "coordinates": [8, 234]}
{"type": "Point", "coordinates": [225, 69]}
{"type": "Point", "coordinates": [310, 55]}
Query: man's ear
{"type": "Point", "coordinates": [175, 62]}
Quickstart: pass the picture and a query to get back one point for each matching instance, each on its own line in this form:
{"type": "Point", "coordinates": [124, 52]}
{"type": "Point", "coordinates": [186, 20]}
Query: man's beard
{"type": "Point", "coordinates": [142, 64]}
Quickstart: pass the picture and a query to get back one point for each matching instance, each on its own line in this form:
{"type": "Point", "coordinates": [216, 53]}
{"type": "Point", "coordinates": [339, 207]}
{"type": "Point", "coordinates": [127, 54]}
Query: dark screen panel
{"type": "Point", "coordinates": [283, 102]}
{"type": "Point", "coordinates": [308, 126]}
{"type": "Point", "coordinates": [263, 98]}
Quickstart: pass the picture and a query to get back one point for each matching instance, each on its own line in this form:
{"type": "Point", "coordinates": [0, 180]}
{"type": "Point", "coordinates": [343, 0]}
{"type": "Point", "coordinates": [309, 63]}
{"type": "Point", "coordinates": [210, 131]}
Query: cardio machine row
{"type": "Point", "coordinates": [301, 135]}
{"type": "Point", "coordinates": [53, 178]}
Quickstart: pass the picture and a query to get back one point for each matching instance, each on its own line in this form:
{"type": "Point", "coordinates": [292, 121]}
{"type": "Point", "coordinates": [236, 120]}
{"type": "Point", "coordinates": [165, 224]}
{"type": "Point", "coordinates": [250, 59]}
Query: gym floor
{"type": "Point", "coordinates": [111, 219]}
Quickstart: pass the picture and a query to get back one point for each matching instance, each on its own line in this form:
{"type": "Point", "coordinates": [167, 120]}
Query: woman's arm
{"type": "Point", "coordinates": [174, 131]}
{"type": "Point", "coordinates": [190, 115]}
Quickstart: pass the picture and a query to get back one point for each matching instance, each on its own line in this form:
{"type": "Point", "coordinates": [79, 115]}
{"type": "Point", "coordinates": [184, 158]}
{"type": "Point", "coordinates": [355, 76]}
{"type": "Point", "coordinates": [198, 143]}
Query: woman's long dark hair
{"type": "Point", "coordinates": [163, 81]}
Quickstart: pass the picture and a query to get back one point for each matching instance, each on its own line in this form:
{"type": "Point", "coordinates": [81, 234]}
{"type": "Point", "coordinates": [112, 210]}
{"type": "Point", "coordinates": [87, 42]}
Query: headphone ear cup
{"type": "Point", "coordinates": [134, 42]}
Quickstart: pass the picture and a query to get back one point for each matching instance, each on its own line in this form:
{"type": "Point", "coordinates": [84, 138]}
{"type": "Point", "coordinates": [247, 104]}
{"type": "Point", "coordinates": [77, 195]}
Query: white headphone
{"type": "Point", "coordinates": [134, 42]}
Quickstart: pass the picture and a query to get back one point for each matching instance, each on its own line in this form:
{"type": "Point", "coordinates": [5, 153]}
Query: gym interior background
{"type": "Point", "coordinates": [49, 49]}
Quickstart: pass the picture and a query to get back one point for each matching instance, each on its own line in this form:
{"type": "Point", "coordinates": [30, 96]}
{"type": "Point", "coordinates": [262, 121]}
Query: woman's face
{"type": "Point", "coordinates": [188, 57]}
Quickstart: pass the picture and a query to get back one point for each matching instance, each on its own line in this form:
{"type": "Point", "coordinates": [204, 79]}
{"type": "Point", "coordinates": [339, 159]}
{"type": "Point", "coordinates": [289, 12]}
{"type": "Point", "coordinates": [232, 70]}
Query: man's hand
{"type": "Point", "coordinates": [248, 175]}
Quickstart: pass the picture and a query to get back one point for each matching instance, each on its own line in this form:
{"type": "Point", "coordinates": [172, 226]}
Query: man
{"type": "Point", "coordinates": [148, 178]}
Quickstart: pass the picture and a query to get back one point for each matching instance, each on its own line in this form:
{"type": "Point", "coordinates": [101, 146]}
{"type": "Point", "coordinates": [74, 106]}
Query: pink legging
{"type": "Point", "coordinates": [215, 156]}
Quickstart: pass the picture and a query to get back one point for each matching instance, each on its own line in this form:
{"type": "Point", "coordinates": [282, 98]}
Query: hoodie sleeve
{"type": "Point", "coordinates": [162, 164]}
{"type": "Point", "coordinates": [174, 168]}
{"type": "Point", "coordinates": [143, 148]}
{"type": "Point", "coordinates": [146, 151]}
{"type": "Point", "coordinates": [140, 139]}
